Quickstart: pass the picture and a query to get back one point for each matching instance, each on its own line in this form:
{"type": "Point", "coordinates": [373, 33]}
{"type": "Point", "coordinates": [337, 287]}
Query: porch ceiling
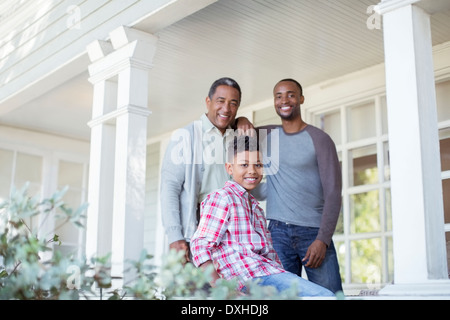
{"type": "Point", "coordinates": [256, 42]}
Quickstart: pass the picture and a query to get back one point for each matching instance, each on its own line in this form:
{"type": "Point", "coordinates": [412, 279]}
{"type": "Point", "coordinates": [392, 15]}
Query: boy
{"type": "Point", "coordinates": [232, 233]}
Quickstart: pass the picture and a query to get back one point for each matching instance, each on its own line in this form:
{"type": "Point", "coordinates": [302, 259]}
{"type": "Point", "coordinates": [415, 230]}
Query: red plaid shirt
{"type": "Point", "coordinates": [234, 237]}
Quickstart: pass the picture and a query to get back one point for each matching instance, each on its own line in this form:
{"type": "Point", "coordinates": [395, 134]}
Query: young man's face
{"type": "Point", "coordinates": [247, 169]}
{"type": "Point", "coordinates": [287, 100]}
{"type": "Point", "coordinates": [223, 106]}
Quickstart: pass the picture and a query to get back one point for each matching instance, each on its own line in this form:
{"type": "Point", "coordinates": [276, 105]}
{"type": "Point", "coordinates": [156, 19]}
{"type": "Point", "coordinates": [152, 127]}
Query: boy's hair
{"type": "Point", "coordinates": [240, 143]}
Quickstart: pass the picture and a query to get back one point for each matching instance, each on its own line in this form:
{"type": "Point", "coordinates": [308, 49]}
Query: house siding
{"type": "Point", "coordinates": [41, 37]}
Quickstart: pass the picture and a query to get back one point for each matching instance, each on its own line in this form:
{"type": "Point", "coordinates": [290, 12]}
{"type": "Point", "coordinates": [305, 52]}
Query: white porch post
{"type": "Point", "coordinates": [119, 72]}
{"type": "Point", "coordinates": [101, 166]}
{"type": "Point", "coordinates": [420, 264]}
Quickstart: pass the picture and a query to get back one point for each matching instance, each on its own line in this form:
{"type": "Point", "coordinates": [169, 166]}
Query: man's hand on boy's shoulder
{"type": "Point", "coordinates": [243, 126]}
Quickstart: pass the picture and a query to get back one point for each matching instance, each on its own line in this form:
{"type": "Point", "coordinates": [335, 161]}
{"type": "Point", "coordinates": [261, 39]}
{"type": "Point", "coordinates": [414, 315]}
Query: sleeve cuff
{"type": "Point", "coordinates": [174, 234]}
{"type": "Point", "coordinates": [200, 253]}
{"type": "Point", "coordinates": [325, 240]}
{"type": "Point", "coordinates": [201, 258]}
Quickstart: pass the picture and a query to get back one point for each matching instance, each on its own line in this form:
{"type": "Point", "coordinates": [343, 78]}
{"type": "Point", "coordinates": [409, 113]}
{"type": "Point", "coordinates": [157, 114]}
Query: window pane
{"type": "Point", "coordinates": [390, 259]}
{"type": "Point", "coordinates": [6, 165]}
{"type": "Point", "coordinates": [340, 251]}
{"type": "Point", "coordinates": [384, 117]}
{"type": "Point", "coordinates": [67, 231]}
{"type": "Point", "coordinates": [331, 124]}
{"type": "Point", "coordinates": [387, 167]}
{"type": "Point", "coordinates": [265, 116]}
{"type": "Point", "coordinates": [387, 197]}
{"type": "Point", "coordinates": [340, 223]}
{"type": "Point", "coordinates": [70, 174]}
{"type": "Point", "coordinates": [366, 261]}
{"type": "Point", "coordinates": [152, 199]}
{"type": "Point", "coordinates": [361, 121]}
{"type": "Point", "coordinates": [364, 168]}
{"type": "Point", "coordinates": [365, 212]}
{"type": "Point", "coordinates": [446, 196]}
{"type": "Point", "coordinates": [29, 168]}
{"type": "Point", "coordinates": [444, 143]}
{"type": "Point", "coordinates": [447, 241]}
{"type": "Point", "coordinates": [443, 100]}
{"type": "Point", "coordinates": [66, 250]}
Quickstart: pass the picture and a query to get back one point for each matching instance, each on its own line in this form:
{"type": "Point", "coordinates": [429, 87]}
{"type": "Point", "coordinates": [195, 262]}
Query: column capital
{"type": "Point", "coordinates": [111, 117]}
{"type": "Point", "coordinates": [430, 6]}
{"type": "Point", "coordinates": [386, 6]}
{"type": "Point", "coordinates": [127, 48]}
{"type": "Point", "coordinates": [99, 49]}
{"type": "Point", "coordinates": [109, 68]}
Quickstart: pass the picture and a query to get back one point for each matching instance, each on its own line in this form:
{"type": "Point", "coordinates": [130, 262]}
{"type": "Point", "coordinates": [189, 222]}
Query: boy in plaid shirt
{"type": "Point", "coordinates": [232, 234]}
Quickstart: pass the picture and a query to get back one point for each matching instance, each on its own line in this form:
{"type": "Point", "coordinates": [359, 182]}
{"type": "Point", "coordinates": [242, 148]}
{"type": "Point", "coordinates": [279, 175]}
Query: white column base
{"type": "Point", "coordinates": [433, 289]}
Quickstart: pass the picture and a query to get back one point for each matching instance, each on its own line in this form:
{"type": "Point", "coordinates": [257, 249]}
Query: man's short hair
{"type": "Point", "coordinates": [225, 81]}
{"type": "Point", "coordinates": [294, 81]}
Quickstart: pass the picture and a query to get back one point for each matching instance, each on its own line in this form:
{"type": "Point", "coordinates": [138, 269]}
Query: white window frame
{"type": "Point", "coordinates": [384, 234]}
{"type": "Point", "coordinates": [50, 163]}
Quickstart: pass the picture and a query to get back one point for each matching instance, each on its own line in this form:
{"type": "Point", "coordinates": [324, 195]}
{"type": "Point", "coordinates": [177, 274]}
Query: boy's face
{"type": "Point", "coordinates": [247, 169]}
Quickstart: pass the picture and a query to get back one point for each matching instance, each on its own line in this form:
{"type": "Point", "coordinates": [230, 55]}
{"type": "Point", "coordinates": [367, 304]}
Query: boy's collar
{"type": "Point", "coordinates": [236, 186]}
{"type": "Point", "coordinates": [242, 191]}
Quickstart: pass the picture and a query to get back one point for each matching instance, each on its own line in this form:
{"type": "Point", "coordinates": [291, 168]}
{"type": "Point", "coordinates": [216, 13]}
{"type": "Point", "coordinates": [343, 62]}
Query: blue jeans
{"type": "Point", "coordinates": [291, 243]}
{"type": "Point", "coordinates": [284, 280]}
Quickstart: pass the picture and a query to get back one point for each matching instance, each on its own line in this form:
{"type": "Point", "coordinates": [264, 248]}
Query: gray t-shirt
{"type": "Point", "coordinates": [306, 188]}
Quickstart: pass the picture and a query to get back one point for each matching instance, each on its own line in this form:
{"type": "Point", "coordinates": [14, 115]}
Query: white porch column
{"type": "Point", "coordinates": [420, 265]}
{"type": "Point", "coordinates": [101, 166]}
{"type": "Point", "coordinates": [119, 72]}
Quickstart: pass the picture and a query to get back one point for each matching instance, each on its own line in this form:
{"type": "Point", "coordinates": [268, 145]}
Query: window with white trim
{"type": "Point", "coordinates": [363, 236]}
{"type": "Point", "coordinates": [73, 175]}
{"type": "Point", "coordinates": [443, 110]}
{"type": "Point", "coordinates": [20, 166]}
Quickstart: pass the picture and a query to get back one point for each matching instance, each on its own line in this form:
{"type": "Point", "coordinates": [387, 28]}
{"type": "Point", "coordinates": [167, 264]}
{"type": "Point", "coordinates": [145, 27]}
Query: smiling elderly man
{"type": "Point", "coordinates": [193, 164]}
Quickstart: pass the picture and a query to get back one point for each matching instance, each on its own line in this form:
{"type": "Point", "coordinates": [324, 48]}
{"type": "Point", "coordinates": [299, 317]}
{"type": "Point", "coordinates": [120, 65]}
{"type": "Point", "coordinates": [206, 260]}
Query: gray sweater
{"type": "Point", "coordinates": [183, 171]}
{"type": "Point", "coordinates": [304, 182]}
{"type": "Point", "coordinates": [181, 178]}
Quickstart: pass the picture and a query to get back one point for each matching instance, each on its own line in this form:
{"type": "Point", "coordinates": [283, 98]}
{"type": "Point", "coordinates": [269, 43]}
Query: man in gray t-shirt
{"type": "Point", "coordinates": [303, 191]}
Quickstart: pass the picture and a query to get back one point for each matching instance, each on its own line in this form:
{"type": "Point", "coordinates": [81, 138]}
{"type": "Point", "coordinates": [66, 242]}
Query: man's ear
{"type": "Point", "coordinates": [302, 99]}
{"type": "Point", "coordinates": [229, 168]}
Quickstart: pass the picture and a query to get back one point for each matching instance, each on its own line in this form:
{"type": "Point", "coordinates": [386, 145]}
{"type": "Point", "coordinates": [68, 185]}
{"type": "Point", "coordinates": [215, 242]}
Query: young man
{"type": "Point", "coordinates": [232, 233]}
{"type": "Point", "coordinates": [304, 194]}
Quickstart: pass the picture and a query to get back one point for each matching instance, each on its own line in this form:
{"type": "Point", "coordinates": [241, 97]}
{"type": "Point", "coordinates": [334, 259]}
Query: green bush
{"type": "Point", "coordinates": [30, 268]}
